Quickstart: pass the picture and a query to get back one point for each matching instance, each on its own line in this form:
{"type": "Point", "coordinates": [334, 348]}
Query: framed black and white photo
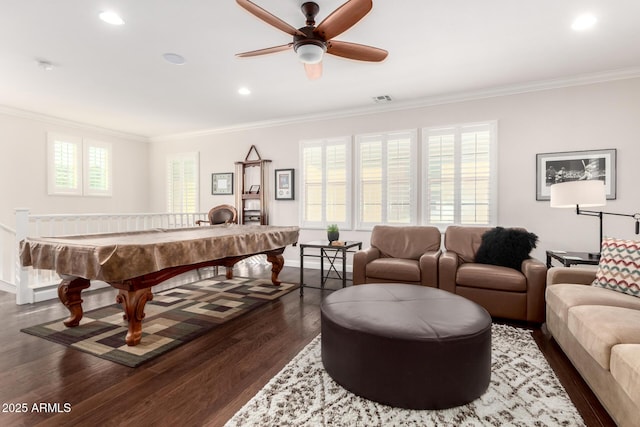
{"type": "Point", "coordinates": [553, 168]}
{"type": "Point", "coordinates": [285, 184]}
{"type": "Point", "coordinates": [222, 183]}
{"type": "Point", "coordinates": [254, 189]}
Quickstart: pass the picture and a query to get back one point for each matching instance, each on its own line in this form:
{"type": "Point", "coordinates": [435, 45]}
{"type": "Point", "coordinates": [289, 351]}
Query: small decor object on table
{"type": "Point", "coordinates": [333, 232]}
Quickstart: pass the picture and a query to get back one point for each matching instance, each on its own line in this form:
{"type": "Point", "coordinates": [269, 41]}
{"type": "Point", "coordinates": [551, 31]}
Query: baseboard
{"type": "Point", "coordinates": [50, 292]}
{"type": "Point", "coordinates": [7, 287]}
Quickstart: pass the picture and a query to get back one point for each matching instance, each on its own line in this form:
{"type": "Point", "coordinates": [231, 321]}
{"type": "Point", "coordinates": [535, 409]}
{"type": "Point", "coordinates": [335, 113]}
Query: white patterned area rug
{"type": "Point", "coordinates": [523, 391]}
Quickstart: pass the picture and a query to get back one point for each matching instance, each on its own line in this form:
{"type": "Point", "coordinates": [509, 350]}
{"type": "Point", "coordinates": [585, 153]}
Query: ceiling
{"type": "Point", "coordinates": [115, 77]}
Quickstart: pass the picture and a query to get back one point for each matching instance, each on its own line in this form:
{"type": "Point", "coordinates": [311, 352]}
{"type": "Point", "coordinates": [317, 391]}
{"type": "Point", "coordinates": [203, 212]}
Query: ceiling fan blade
{"type": "Point", "coordinates": [356, 51]}
{"type": "Point", "coordinates": [343, 18]}
{"type": "Point", "coordinates": [265, 51]}
{"type": "Point", "coordinates": [314, 71]}
{"type": "Point", "coordinates": [269, 18]}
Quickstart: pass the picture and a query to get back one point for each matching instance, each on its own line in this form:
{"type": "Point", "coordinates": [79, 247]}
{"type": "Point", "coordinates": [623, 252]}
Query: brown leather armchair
{"type": "Point", "coordinates": [505, 292]}
{"type": "Point", "coordinates": [221, 214]}
{"type": "Point", "coordinates": [406, 254]}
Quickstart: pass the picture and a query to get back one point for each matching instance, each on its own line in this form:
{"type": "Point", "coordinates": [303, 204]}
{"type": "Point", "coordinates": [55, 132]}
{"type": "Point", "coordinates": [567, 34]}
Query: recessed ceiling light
{"type": "Point", "coordinates": [111, 17]}
{"type": "Point", "coordinates": [174, 58]}
{"type": "Point", "coordinates": [584, 22]}
{"type": "Point", "coordinates": [244, 91]}
{"type": "Point", "coordinates": [45, 65]}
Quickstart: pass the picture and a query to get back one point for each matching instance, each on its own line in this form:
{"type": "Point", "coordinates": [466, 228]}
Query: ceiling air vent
{"type": "Point", "coordinates": [382, 99]}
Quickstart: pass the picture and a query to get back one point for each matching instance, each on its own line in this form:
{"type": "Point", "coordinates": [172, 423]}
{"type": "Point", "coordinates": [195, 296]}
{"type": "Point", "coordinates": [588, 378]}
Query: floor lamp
{"type": "Point", "coordinates": [585, 194]}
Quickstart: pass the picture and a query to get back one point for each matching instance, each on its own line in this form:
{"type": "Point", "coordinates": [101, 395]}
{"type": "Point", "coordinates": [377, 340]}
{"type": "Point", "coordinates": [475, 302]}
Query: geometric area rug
{"type": "Point", "coordinates": [174, 317]}
{"type": "Point", "coordinates": [523, 391]}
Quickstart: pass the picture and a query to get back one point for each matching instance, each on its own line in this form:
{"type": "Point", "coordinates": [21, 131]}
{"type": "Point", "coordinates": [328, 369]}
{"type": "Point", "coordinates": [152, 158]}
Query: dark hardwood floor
{"type": "Point", "coordinates": [202, 383]}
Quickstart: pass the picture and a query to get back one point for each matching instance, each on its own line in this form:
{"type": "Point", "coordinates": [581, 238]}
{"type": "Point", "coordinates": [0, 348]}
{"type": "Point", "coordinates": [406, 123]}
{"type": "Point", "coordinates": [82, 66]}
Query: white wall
{"type": "Point", "coordinates": [596, 116]}
{"type": "Point", "coordinates": [23, 169]}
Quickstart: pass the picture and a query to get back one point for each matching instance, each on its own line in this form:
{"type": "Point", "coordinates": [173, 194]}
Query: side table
{"type": "Point", "coordinates": [572, 258]}
{"type": "Point", "coordinates": [332, 254]}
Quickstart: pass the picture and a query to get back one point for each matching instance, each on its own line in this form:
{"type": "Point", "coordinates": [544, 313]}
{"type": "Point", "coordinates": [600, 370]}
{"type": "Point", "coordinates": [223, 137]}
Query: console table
{"type": "Point", "coordinates": [572, 258]}
{"type": "Point", "coordinates": [332, 254]}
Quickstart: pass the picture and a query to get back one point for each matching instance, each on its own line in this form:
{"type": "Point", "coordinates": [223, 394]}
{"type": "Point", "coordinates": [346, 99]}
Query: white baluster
{"type": "Point", "coordinates": [24, 295]}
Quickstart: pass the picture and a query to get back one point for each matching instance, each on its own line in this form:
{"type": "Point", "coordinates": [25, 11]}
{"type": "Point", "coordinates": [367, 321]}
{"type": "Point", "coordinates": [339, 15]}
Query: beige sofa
{"type": "Point", "coordinates": [599, 331]}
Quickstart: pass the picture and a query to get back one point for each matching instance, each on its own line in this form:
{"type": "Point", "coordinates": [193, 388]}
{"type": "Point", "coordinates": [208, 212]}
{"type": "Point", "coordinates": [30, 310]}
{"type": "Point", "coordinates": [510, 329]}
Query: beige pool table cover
{"type": "Point", "coordinates": [114, 257]}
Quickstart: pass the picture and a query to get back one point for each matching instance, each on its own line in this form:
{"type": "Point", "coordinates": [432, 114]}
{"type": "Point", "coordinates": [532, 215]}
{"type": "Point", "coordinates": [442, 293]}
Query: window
{"type": "Point", "coordinates": [459, 174]}
{"type": "Point", "coordinates": [78, 166]}
{"type": "Point", "coordinates": [97, 169]}
{"type": "Point", "coordinates": [182, 183]}
{"type": "Point", "coordinates": [326, 183]}
{"type": "Point", "coordinates": [386, 178]}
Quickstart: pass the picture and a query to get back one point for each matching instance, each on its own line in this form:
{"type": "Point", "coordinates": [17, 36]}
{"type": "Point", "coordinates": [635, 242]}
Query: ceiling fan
{"type": "Point", "coordinates": [311, 42]}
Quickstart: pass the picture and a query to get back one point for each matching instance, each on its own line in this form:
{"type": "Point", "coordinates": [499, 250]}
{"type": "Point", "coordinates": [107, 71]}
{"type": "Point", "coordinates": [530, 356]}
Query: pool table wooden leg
{"type": "Point", "coordinates": [277, 262]}
{"type": "Point", "coordinates": [133, 303]}
{"type": "Point", "coordinates": [69, 294]}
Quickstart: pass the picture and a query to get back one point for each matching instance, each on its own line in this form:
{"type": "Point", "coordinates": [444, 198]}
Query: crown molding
{"type": "Point", "coordinates": [535, 86]}
{"type": "Point", "coordinates": [57, 121]}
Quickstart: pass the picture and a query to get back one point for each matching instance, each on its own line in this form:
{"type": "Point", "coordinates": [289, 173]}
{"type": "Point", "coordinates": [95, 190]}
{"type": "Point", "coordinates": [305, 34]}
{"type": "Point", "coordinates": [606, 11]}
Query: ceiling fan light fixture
{"type": "Point", "coordinates": [310, 53]}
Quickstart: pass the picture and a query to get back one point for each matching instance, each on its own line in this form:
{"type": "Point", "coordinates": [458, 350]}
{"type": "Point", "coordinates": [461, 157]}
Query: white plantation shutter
{"type": "Point", "coordinates": [475, 176]}
{"type": "Point", "coordinates": [78, 166]}
{"type": "Point", "coordinates": [337, 191]}
{"type": "Point", "coordinates": [459, 174]}
{"type": "Point", "coordinates": [326, 183]}
{"type": "Point", "coordinates": [386, 179]}
{"type": "Point", "coordinates": [369, 181]}
{"type": "Point", "coordinates": [67, 165]}
{"type": "Point", "coordinates": [97, 168]}
{"type": "Point", "coordinates": [64, 164]}
{"type": "Point", "coordinates": [440, 178]}
{"type": "Point", "coordinates": [182, 182]}
{"type": "Point", "coordinates": [312, 178]}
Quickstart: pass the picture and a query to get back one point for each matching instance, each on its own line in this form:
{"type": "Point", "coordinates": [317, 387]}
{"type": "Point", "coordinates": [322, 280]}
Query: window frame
{"type": "Point", "coordinates": [87, 191]}
{"type": "Point", "coordinates": [82, 169]}
{"type": "Point", "coordinates": [457, 130]}
{"type": "Point", "coordinates": [324, 143]}
{"type": "Point", "coordinates": [53, 189]}
{"type": "Point", "coordinates": [182, 158]}
{"type": "Point", "coordinates": [385, 138]}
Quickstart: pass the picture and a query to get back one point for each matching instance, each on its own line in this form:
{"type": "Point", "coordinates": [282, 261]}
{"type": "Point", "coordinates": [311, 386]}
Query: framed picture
{"type": "Point", "coordinates": [254, 189]}
{"type": "Point", "coordinates": [222, 183]}
{"type": "Point", "coordinates": [552, 168]}
{"type": "Point", "coordinates": [285, 184]}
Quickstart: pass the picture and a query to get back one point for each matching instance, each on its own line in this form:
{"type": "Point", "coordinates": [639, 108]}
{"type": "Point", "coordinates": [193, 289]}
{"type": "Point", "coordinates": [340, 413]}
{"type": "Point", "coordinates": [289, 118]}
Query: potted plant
{"type": "Point", "coordinates": [333, 233]}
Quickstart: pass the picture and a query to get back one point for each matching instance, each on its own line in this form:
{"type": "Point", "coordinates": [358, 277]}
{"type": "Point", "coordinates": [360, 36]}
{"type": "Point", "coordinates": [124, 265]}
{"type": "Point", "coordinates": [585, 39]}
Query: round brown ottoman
{"type": "Point", "coordinates": [407, 346]}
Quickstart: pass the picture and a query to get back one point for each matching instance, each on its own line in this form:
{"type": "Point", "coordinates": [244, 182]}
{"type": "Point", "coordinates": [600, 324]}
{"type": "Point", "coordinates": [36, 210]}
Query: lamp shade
{"type": "Point", "coordinates": [310, 53]}
{"type": "Point", "coordinates": [585, 194]}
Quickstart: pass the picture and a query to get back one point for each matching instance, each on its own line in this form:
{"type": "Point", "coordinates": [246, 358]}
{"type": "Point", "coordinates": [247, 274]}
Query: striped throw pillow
{"type": "Point", "coordinates": [619, 266]}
